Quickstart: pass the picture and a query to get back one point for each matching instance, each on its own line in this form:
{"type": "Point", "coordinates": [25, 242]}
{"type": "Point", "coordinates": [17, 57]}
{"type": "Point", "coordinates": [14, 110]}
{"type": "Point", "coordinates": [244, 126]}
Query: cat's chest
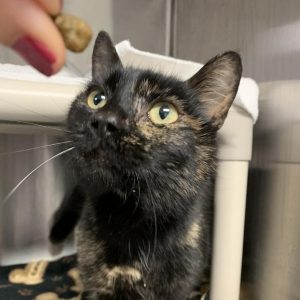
{"type": "Point", "coordinates": [115, 220]}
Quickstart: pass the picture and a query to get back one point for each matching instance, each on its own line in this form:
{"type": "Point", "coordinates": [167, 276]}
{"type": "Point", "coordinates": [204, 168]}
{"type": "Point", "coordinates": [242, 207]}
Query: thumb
{"type": "Point", "coordinates": [28, 29]}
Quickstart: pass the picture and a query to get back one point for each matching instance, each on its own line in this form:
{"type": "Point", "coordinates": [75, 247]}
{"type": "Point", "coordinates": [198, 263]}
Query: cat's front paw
{"type": "Point", "coordinates": [57, 233]}
{"type": "Point", "coordinates": [55, 249]}
{"type": "Point", "coordinates": [56, 238]}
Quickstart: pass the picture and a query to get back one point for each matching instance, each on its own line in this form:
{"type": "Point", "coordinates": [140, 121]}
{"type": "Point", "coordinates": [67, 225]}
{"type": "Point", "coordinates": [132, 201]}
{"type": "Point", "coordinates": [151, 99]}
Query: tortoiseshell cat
{"type": "Point", "coordinates": [145, 161]}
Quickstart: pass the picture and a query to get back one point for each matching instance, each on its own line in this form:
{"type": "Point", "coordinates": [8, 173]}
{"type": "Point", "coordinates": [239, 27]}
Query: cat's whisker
{"type": "Point", "coordinates": [23, 108]}
{"type": "Point", "coordinates": [148, 254]}
{"type": "Point", "coordinates": [154, 215]}
{"type": "Point", "coordinates": [35, 148]}
{"type": "Point", "coordinates": [8, 196]}
{"type": "Point", "coordinates": [129, 249]}
{"type": "Point", "coordinates": [139, 194]}
{"type": "Point", "coordinates": [142, 296]}
{"type": "Point", "coordinates": [145, 258]}
{"type": "Point", "coordinates": [133, 184]}
{"type": "Point", "coordinates": [74, 69]}
{"type": "Point", "coordinates": [41, 125]}
{"type": "Point", "coordinates": [155, 226]}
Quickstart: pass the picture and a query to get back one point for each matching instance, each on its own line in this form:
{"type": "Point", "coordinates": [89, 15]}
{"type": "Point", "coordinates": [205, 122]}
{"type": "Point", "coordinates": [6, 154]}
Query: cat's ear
{"type": "Point", "coordinates": [105, 57]}
{"type": "Point", "coordinates": [216, 85]}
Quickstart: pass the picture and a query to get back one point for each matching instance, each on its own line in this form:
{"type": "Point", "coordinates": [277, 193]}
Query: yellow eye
{"type": "Point", "coordinates": [163, 113]}
{"type": "Point", "coordinates": [96, 99]}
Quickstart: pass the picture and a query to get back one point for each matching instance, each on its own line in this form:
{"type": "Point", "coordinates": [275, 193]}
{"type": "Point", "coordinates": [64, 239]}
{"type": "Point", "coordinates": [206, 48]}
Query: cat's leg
{"type": "Point", "coordinates": [178, 283]}
{"type": "Point", "coordinates": [67, 216]}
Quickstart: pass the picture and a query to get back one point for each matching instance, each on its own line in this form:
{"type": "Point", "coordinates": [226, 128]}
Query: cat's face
{"type": "Point", "coordinates": [130, 120]}
{"type": "Point", "coordinates": [135, 119]}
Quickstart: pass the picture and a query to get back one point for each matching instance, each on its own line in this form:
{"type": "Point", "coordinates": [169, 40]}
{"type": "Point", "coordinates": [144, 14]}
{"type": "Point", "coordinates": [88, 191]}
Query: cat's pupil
{"type": "Point", "coordinates": [98, 98]}
{"type": "Point", "coordinates": [164, 111]}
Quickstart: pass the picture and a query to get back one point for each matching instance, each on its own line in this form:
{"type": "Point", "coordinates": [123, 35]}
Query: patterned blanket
{"type": "Point", "coordinates": [45, 281]}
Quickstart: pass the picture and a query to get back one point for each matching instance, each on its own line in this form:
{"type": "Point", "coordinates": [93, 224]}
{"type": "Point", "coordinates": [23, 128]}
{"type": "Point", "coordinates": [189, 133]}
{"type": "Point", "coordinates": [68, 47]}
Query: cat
{"type": "Point", "coordinates": [145, 162]}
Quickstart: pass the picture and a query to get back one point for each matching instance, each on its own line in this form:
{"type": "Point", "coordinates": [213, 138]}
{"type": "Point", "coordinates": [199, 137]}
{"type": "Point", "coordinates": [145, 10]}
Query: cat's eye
{"type": "Point", "coordinates": [163, 113]}
{"type": "Point", "coordinates": [96, 99]}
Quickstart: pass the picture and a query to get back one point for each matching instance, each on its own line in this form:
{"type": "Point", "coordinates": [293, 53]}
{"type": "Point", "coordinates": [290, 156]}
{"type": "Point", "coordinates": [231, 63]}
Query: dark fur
{"type": "Point", "coordinates": [144, 193]}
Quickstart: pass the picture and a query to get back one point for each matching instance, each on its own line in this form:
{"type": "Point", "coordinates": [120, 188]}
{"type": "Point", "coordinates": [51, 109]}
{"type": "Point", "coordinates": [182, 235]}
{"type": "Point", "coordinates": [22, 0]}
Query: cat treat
{"type": "Point", "coordinates": [76, 32]}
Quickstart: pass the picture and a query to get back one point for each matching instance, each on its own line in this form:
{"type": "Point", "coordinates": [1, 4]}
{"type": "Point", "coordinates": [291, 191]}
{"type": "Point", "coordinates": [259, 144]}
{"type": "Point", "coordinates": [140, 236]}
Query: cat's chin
{"type": "Point", "coordinates": [106, 164]}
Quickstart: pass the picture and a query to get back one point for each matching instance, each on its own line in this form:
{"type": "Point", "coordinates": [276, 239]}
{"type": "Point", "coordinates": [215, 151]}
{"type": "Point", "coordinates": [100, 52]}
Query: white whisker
{"type": "Point", "coordinates": [35, 169]}
{"type": "Point", "coordinates": [34, 148]}
{"type": "Point", "coordinates": [155, 227]}
{"type": "Point", "coordinates": [139, 192]}
{"type": "Point", "coordinates": [149, 252]}
{"type": "Point", "coordinates": [129, 249]}
{"type": "Point", "coordinates": [40, 125]}
{"type": "Point", "coordinates": [23, 108]}
{"type": "Point", "coordinates": [74, 69]}
{"type": "Point", "coordinates": [145, 257]}
{"type": "Point", "coordinates": [154, 215]}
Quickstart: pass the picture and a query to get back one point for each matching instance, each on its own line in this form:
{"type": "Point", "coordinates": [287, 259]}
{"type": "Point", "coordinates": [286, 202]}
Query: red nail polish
{"type": "Point", "coordinates": [36, 53]}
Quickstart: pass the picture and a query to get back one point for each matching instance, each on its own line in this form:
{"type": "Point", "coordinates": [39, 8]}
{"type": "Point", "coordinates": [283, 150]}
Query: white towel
{"type": "Point", "coordinates": [247, 96]}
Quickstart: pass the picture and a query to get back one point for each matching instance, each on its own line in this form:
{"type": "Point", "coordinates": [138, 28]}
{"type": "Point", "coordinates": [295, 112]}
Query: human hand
{"type": "Point", "coordinates": [26, 26]}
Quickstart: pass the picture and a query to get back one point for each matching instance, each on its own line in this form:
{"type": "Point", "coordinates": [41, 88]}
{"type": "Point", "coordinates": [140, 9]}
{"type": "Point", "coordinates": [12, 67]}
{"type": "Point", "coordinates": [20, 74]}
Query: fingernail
{"type": "Point", "coordinates": [61, 4]}
{"type": "Point", "coordinates": [36, 53]}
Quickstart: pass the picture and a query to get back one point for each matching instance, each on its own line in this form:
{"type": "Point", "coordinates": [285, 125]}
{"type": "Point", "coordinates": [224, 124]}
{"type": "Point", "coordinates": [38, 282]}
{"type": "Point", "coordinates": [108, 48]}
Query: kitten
{"type": "Point", "coordinates": [145, 161]}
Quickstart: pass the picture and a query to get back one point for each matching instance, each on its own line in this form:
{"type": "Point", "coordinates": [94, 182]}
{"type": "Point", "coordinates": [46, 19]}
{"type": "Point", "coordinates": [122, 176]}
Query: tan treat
{"type": "Point", "coordinates": [32, 273]}
{"type": "Point", "coordinates": [17, 276]}
{"type": "Point", "coordinates": [47, 296]}
{"type": "Point", "coordinates": [76, 32]}
{"type": "Point", "coordinates": [75, 275]}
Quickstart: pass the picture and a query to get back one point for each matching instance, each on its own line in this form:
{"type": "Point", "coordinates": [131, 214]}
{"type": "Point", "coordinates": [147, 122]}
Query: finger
{"type": "Point", "coordinates": [52, 7]}
{"type": "Point", "coordinates": [31, 32]}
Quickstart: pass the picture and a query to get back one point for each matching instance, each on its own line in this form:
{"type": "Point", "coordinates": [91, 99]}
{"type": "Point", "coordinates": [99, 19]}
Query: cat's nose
{"type": "Point", "coordinates": [107, 124]}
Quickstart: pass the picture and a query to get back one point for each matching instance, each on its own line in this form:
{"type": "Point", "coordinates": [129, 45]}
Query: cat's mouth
{"type": "Point", "coordinates": [120, 152]}
{"type": "Point", "coordinates": [107, 153]}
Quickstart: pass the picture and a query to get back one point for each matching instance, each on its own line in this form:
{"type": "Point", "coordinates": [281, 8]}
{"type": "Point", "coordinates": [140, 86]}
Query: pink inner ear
{"type": "Point", "coordinates": [219, 111]}
{"type": "Point", "coordinates": [216, 85]}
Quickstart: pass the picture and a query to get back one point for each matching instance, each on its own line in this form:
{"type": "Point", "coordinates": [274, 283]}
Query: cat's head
{"type": "Point", "coordinates": [129, 120]}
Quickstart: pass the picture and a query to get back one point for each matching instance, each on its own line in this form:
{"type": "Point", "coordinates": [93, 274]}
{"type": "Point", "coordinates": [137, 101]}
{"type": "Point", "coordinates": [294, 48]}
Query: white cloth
{"type": "Point", "coordinates": [247, 96]}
